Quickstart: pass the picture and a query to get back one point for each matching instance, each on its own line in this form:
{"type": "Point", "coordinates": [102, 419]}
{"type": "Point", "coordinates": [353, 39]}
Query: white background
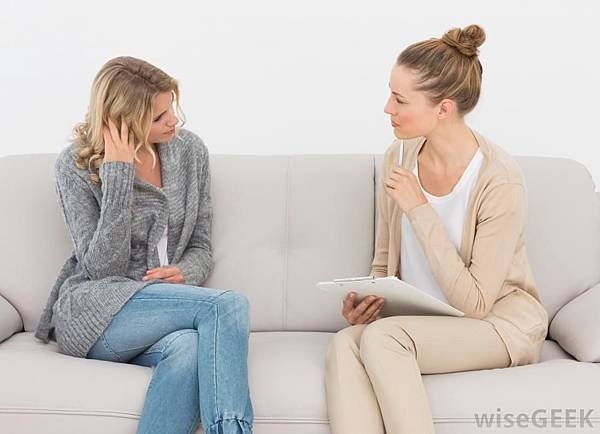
{"type": "Point", "coordinates": [277, 77]}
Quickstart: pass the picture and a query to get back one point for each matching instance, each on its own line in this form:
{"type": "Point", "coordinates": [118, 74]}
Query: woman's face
{"type": "Point", "coordinates": [411, 113]}
{"type": "Point", "coordinates": [163, 118]}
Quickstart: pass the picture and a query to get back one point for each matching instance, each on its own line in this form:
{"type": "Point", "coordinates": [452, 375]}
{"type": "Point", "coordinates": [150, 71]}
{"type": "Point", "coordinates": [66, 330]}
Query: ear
{"type": "Point", "coordinates": [447, 108]}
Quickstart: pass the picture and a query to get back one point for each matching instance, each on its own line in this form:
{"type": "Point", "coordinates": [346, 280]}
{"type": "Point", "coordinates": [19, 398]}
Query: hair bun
{"type": "Point", "coordinates": [465, 40]}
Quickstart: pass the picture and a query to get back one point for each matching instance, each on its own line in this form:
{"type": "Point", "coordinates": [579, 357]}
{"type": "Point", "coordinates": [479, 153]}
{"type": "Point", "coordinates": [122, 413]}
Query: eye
{"type": "Point", "coordinates": [158, 118]}
{"type": "Point", "coordinates": [398, 101]}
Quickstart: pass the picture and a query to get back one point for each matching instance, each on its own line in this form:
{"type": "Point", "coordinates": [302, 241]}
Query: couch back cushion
{"type": "Point", "coordinates": [280, 224]}
{"type": "Point", "coordinates": [283, 223]}
{"type": "Point", "coordinates": [563, 229]}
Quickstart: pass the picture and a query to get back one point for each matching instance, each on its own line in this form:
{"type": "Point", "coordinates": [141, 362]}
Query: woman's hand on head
{"type": "Point", "coordinates": [171, 274]}
{"type": "Point", "coordinates": [365, 312]}
{"type": "Point", "coordinates": [403, 187]}
{"type": "Point", "coordinates": [118, 145]}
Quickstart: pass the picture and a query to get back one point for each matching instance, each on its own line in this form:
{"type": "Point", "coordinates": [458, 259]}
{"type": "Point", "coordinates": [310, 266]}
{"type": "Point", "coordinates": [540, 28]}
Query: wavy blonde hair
{"type": "Point", "coordinates": [448, 67]}
{"type": "Point", "coordinates": [124, 88]}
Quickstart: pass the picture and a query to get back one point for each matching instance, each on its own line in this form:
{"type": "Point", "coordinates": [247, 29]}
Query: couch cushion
{"type": "Point", "coordinates": [249, 232]}
{"type": "Point", "coordinates": [556, 384]}
{"type": "Point", "coordinates": [330, 234]}
{"type": "Point", "coordinates": [32, 226]}
{"type": "Point", "coordinates": [576, 326]}
{"type": "Point", "coordinates": [280, 224]}
{"type": "Point", "coordinates": [291, 222]}
{"type": "Point", "coordinates": [10, 320]}
{"type": "Point", "coordinates": [44, 390]}
{"type": "Point", "coordinates": [563, 228]}
{"type": "Point", "coordinates": [553, 351]}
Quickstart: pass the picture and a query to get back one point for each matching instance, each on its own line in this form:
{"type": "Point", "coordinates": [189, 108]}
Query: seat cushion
{"type": "Point", "coordinates": [459, 399]}
{"type": "Point", "coordinates": [45, 391]}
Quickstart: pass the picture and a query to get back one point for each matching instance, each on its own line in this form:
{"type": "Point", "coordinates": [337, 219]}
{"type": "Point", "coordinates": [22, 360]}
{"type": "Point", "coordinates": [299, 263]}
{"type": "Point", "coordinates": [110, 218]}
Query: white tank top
{"type": "Point", "coordinates": [162, 248]}
{"type": "Point", "coordinates": [451, 208]}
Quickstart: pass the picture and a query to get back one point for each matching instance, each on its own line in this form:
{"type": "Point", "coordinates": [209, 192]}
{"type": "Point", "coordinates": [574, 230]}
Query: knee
{"type": "Point", "coordinates": [344, 341]}
{"type": "Point", "coordinates": [234, 303]}
{"type": "Point", "coordinates": [380, 337]}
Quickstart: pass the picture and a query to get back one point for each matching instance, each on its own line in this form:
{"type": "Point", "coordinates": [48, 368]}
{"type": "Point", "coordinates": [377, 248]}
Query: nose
{"type": "Point", "coordinates": [388, 107]}
{"type": "Point", "coordinates": [173, 120]}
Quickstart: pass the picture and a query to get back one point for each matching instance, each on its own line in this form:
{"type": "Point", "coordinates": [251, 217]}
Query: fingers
{"type": "Point", "coordinates": [175, 279]}
{"type": "Point", "coordinates": [114, 134]}
{"type": "Point", "coordinates": [160, 273]}
{"type": "Point", "coordinates": [371, 311]}
{"type": "Point", "coordinates": [131, 141]}
{"type": "Point", "coordinates": [106, 136]}
{"type": "Point", "coordinates": [357, 314]}
{"type": "Point", "coordinates": [375, 315]}
{"type": "Point", "coordinates": [348, 303]}
{"type": "Point", "coordinates": [124, 132]}
{"type": "Point", "coordinates": [400, 171]}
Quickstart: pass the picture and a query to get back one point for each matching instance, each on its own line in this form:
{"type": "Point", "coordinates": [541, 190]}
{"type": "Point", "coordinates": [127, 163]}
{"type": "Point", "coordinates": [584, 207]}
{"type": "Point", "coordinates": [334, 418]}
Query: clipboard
{"type": "Point", "coordinates": [401, 298]}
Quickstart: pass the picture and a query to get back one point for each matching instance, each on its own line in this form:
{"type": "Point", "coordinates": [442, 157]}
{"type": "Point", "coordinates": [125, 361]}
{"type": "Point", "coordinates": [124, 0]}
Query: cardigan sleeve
{"type": "Point", "coordinates": [196, 262]}
{"type": "Point", "coordinates": [380, 256]}
{"type": "Point", "coordinates": [101, 234]}
{"type": "Point", "coordinates": [500, 223]}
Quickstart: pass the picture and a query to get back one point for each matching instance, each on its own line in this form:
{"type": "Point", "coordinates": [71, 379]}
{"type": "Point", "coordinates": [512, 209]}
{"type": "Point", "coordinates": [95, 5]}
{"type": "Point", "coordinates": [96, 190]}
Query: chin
{"type": "Point", "coordinates": [401, 135]}
{"type": "Point", "coordinates": [162, 140]}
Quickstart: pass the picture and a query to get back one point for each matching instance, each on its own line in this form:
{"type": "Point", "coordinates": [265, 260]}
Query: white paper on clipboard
{"type": "Point", "coordinates": [401, 298]}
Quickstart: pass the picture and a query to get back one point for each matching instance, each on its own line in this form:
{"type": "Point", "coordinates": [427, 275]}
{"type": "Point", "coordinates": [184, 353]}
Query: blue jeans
{"type": "Point", "coordinates": [197, 339]}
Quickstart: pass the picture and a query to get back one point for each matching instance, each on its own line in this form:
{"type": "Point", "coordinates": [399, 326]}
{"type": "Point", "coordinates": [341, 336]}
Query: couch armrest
{"type": "Point", "coordinates": [10, 320]}
{"type": "Point", "coordinates": [576, 327]}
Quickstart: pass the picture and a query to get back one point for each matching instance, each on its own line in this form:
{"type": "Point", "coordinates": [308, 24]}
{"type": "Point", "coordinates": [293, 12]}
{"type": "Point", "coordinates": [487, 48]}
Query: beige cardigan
{"type": "Point", "coordinates": [489, 278]}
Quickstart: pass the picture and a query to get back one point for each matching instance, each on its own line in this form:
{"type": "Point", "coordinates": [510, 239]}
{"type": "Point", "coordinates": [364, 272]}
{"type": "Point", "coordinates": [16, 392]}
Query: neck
{"type": "Point", "coordinates": [450, 145]}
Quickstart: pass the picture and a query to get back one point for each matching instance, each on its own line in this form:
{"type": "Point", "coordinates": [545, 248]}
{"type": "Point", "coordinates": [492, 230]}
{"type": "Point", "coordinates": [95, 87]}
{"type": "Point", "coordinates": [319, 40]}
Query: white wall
{"type": "Point", "coordinates": [276, 77]}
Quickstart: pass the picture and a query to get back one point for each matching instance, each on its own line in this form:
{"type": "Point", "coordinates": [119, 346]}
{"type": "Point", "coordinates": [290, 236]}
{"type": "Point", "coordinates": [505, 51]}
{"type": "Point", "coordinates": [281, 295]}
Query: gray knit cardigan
{"type": "Point", "coordinates": [115, 227]}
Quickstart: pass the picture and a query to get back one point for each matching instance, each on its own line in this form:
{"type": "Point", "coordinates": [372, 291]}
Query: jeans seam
{"type": "Point", "coordinates": [208, 301]}
{"type": "Point", "coordinates": [109, 348]}
{"type": "Point", "coordinates": [215, 355]}
{"type": "Point", "coordinates": [170, 342]}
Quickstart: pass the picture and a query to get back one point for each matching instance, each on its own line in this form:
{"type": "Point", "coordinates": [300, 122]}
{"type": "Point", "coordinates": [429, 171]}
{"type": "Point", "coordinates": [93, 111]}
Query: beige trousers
{"type": "Point", "coordinates": [373, 373]}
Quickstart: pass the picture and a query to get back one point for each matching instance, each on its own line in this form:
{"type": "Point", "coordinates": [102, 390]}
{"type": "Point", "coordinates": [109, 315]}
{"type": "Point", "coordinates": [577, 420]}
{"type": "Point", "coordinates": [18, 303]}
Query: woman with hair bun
{"type": "Point", "coordinates": [451, 215]}
{"type": "Point", "coordinates": [134, 190]}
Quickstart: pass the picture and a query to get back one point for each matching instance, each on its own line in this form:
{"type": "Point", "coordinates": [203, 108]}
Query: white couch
{"type": "Point", "coordinates": [282, 223]}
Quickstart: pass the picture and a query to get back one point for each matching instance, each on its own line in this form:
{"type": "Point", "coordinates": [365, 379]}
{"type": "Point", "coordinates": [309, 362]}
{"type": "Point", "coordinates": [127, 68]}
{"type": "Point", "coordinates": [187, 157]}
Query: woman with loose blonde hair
{"type": "Point", "coordinates": [134, 190]}
{"type": "Point", "coordinates": [125, 89]}
{"type": "Point", "coordinates": [451, 216]}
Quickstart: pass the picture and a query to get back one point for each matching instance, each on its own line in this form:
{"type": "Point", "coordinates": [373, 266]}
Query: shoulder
{"type": "Point", "coordinates": [501, 167]}
{"type": "Point", "coordinates": [191, 142]}
{"type": "Point", "coordinates": [64, 165]}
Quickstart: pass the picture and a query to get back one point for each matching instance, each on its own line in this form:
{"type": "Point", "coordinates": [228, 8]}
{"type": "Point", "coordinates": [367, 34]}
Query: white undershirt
{"type": "Point", "coordinates": [451, 208]}
{"type": "Point", "coordinates": [162, 248]}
